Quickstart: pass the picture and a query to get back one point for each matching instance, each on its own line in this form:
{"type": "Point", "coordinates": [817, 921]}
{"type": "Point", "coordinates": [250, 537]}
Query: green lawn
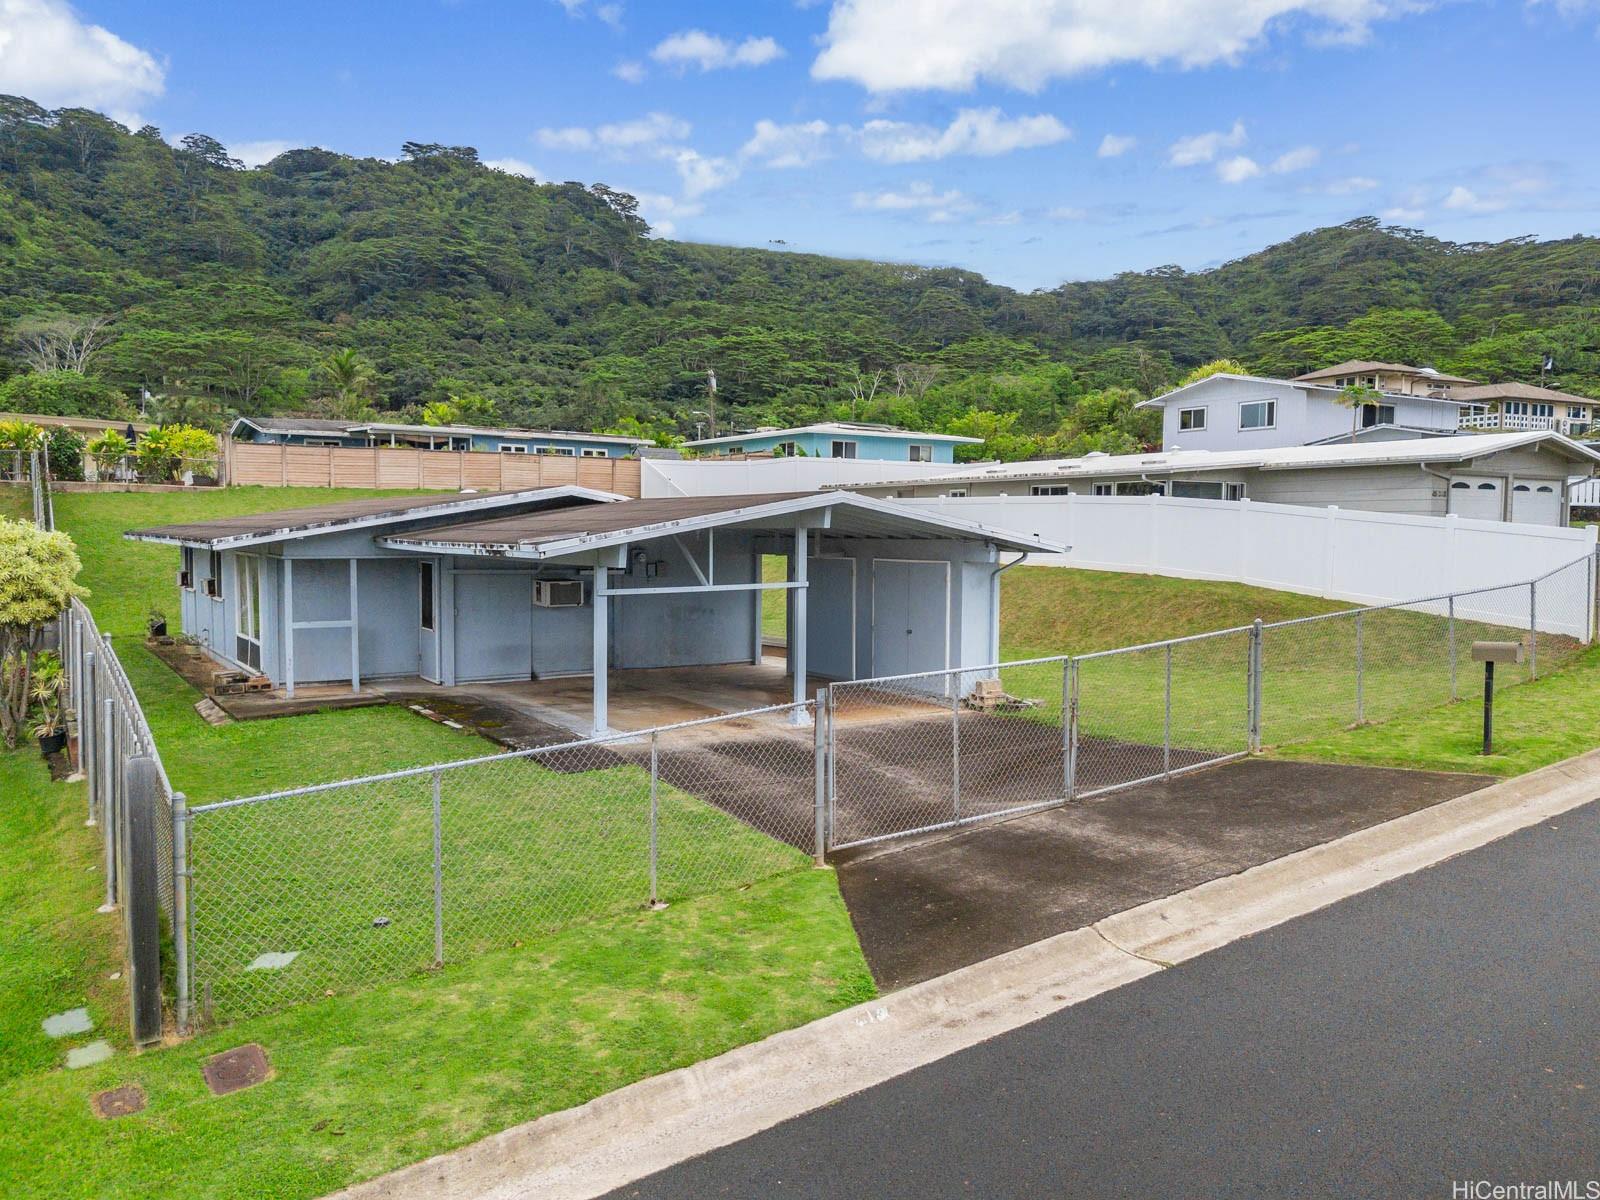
{"type": "Point", "coordinates": [558, 985]}
{"type": "Point", "coordinates": [373, 1080]}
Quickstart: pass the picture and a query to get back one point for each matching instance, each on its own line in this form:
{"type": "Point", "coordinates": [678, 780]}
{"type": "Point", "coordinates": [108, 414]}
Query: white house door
{"type": "Point", "coordinates": [1536, 503]}
{"type": "Point", "coordinates": [1477, 497]}
{"type": "Point", "coordinates": [910, 616]}
{"type": "Point", "coordinates": [494, 625]}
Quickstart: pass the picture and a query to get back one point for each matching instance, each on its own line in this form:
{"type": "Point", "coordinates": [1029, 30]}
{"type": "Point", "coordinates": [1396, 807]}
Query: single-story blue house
{"type": "Point", "coordinates": [840, 439]}
{"type": "Point", "coordinates": [567, 581]}
{"type": "Point", "coordinates": [315, 431]}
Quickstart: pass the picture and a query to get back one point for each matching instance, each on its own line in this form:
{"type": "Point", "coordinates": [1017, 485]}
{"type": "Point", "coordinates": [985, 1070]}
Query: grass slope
{"type": "Point", "coordinates": [371, 1081]}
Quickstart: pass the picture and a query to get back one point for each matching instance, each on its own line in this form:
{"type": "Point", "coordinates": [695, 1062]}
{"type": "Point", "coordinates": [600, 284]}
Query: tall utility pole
{"type": "Point", "coordinates": [711, 399]}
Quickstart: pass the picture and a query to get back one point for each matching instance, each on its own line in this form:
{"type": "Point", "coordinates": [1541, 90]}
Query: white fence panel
{"type": "Point", "coordinates": [1342, 554]}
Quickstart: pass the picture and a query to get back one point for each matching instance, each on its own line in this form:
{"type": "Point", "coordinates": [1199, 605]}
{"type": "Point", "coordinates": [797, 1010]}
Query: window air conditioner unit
{"type": "Point", "coordinates": [186, 579]}
{"type": "Point", "coordinates": [557, 593]}
{"type": "Point", "coordinates": [214, 588]}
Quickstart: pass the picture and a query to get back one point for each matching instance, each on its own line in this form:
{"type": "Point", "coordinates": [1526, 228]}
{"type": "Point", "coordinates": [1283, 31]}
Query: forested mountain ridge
{"type": "Point", "coordinates": [491, 297]}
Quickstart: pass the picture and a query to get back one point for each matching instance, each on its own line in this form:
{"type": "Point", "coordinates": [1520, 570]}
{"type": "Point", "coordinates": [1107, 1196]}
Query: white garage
{"type": "Point", "coordinates": [1478, 497]}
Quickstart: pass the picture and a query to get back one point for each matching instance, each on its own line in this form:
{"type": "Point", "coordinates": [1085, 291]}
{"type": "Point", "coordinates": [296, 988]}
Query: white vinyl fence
{"type": "Point", "coordinates": [741, 477]}
{"type": "Point", "coordinates": [1342, 554]}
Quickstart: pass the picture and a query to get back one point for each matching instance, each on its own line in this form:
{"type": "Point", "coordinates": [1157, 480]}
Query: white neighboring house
{"type": "Point", "coordinates": [1251, 412]}
{"type": "Point", "coordinates": [1521, 477]}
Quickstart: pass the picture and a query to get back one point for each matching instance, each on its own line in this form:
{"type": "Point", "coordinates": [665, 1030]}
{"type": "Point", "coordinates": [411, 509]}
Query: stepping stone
{"type": "Point", "coordinates": [236, 1069]}
{"type": "Point", "coordinates": [118, 1102]}
{"type": "Point", "coordinates": [64, 1024]}
{"type": "Point", "coordinates": [87, 1056]}
{"type": "Point", "coordinates": [273, 960]}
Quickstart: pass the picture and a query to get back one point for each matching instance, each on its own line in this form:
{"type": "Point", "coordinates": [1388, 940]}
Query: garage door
{"type": "Point", "coordinates": [1536, 503]}
{"type": "Point", "coordinates": [494, 626]}
{"type": "Point", "coordinates": [910, 616]}
{"type": "Point", "coordinates": [1478, 497]}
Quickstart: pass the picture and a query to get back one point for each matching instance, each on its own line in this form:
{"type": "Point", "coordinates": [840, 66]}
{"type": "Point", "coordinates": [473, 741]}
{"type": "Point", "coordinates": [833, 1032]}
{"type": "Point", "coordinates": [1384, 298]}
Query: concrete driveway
{"type": "Point", "coordinates": [925, 906]}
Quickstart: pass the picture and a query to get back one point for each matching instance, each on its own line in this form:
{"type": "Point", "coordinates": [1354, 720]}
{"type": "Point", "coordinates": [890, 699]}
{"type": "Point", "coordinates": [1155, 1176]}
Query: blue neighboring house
{"type": "Point", "coordinates": [313, 431]}
{"type": "Point", "coordinates": [840, 439]}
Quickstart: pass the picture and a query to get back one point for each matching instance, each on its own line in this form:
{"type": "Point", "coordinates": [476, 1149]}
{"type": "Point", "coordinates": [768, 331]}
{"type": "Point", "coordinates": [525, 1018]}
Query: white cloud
{"type": "Point", "coordinates": [1200, 148]}
{"type": "Point", "coordinates": [1349, 186]}
{"type": "Point", "coordinates": [1063, 213]}
{"type": "Point", "coordinates": [797, 145]}
{"type": "Point", "coordinates": [1298, 159]}
{"type": "Point", "coordinates": [649, 130]}
{"type": "Point", "coordinates": [1464, 199]}
{"type": "Point", "coordinates": [696, 48]}
{"type": "Point", "coordinates": [50, 54]}
{"type": "Point", "coordinates": [255, 154]}
{"type": "Point", "coordinates": [700, 174]}
{"type": "Point", "coordinates": [984, 132]}
{"type": "Point", "coordinates": [1026, 43]}
{"type": "Point", "coordinates": [512, 166]}
{"type": "Point", "coordinates": [664, 212]}
{"type": "Point", "coordinates": [1403, 214]}
{"type": "Point", "coordinates": [1237, 169]}
{"type": "Point", "coordinates": [1115, 145]}
{"type": "Point", "coordinates": [630, 71]}
{"type": "Point", "coordinates": [939, 206]}
{"type": "Point", "coordinates": [609, 14]}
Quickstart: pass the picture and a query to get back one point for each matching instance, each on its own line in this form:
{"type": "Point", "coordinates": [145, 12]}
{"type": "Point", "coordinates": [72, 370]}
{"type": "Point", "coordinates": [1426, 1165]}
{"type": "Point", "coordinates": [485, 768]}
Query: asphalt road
{"type": "Point", "coordinates": [1444, 1027]}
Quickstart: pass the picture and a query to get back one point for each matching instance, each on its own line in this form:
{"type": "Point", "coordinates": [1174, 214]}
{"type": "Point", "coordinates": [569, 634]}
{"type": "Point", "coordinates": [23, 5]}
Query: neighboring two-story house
{"type": "Point", "coordinates": [840, 439]}
{"type": "Point", "coordinates": [1250, 412]}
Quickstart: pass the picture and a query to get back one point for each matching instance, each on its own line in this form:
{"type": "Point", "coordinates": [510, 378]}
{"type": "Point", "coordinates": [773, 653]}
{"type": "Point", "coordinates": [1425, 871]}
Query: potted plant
{"type": "Point", "coordinates": [47, 688]}
{"type": "Point", "coordinates": [156, 623]}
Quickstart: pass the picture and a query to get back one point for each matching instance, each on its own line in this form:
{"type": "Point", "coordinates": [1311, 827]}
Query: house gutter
{"type": "Point", "coordinates": [994, 600]}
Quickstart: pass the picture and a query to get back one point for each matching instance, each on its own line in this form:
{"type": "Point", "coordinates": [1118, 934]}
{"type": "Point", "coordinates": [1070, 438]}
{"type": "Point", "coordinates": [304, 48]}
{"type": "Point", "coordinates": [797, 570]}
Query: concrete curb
{"type": "Point", "coordinates": [650, 1125]}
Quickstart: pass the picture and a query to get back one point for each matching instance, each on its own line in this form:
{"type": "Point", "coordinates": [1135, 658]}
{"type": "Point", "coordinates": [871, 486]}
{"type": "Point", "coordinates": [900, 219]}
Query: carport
{"type": "Point", "coordinates": [873, 588]}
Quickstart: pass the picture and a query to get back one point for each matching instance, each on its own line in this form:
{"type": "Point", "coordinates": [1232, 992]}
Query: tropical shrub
{"type": "Point", "coordinates": [38, 576]}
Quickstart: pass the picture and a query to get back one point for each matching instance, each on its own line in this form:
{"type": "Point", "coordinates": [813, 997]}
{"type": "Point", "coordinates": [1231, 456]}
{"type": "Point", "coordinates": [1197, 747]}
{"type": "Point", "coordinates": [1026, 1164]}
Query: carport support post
{"type": "Point", "coordinates": [797, 631]}
{"type": "Point", "coordinates": [600, 701]}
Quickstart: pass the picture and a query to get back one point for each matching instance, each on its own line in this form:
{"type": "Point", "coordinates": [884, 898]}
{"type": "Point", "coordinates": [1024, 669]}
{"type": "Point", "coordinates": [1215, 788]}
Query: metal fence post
{"type": "Point", "coordinates": [833, 777]}
{"type": "Point", "coordinates": [438, 875]}
{"type": "Point", "coordinates": [1069, 727]}
{"type": "Point", "coordinates": [88, 743]}
{"type": "Point", "coordinates": [1533, 630]}
{"type": "Point", "coordinates": [180, 906]}
{"type": "Point", "coordinates": [1361, 673]}
{"type": "Point", "coordinates": [819, 852]}
{"type": "Point", "coordinates": [655, 814]}
{"type": "Point", "coordinates": [955, 745]}
{"type": "Point", "coordinates": [141, 902]}
{"type": "Point", "coordinates": [1454, 693]}
{"type": "Point", "coordinates": [105, 743]}
{"type": "Point", "coordinates": [1253, 688]}
{"type": "Point", "coordinates": [1166, 721]}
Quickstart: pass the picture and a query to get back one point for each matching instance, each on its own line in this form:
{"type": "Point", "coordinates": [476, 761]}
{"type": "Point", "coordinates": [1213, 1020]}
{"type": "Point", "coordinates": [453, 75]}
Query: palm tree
{"type": "Point", "coordinates": [1356, 398]}
{"type": "Point", "coordinates": [347, 385]}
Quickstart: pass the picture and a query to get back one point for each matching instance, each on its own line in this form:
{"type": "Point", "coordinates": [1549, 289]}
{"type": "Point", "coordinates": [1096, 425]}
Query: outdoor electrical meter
{"type": "Point", "coordinates": [1489, 653]}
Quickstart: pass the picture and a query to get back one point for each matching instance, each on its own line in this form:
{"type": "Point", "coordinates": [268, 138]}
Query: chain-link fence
{"type": "Point", "coordinates": [299, 893]}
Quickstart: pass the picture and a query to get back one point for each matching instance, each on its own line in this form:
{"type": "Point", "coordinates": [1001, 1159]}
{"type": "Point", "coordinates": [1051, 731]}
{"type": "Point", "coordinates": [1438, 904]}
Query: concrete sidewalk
{"type": "Point", "coordinates": [653, 1124]}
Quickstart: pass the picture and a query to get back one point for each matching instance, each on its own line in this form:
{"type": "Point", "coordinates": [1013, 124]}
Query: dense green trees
{"type": "Point", "coordinates": [323, 283]}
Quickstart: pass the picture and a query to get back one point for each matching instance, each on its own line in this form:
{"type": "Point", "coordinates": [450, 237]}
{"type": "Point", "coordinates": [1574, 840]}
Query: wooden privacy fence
{"type": "Point", "coordinates": [404, 467]}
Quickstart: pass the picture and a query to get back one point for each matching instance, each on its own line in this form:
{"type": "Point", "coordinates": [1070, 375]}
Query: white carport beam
{"type": "Point", "coordinates": [355, 634]}
{"type": "Point", "coordinates": [600, 700]}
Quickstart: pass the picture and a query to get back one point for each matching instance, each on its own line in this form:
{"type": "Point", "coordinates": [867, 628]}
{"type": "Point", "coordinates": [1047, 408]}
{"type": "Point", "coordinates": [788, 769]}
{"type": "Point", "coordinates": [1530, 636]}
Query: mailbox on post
{"type": "Point", "coordinates": [1489, 653]}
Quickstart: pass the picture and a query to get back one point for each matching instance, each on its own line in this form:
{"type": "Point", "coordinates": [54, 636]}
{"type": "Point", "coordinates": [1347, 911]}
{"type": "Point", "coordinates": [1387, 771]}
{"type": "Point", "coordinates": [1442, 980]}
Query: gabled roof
{"type": "Point", "coordinates": [1356, 366]}
{"type": "Point", "coordinates": [1455, 449]}
{"type": "Point", "coordinates": [1161, 400]}
{"type": "Point", "coordinates": [554, 535]}
{"type": "Point", "coordinates": [838, 429]}
{"type": "Point", "coordinates": [1485, 392]}
{"type": "Point", "coordinates": [377, 511]}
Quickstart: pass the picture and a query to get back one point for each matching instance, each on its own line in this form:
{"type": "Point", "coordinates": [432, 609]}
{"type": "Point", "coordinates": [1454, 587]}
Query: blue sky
{"type": "Point", "coordinates": [1032, 140]}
